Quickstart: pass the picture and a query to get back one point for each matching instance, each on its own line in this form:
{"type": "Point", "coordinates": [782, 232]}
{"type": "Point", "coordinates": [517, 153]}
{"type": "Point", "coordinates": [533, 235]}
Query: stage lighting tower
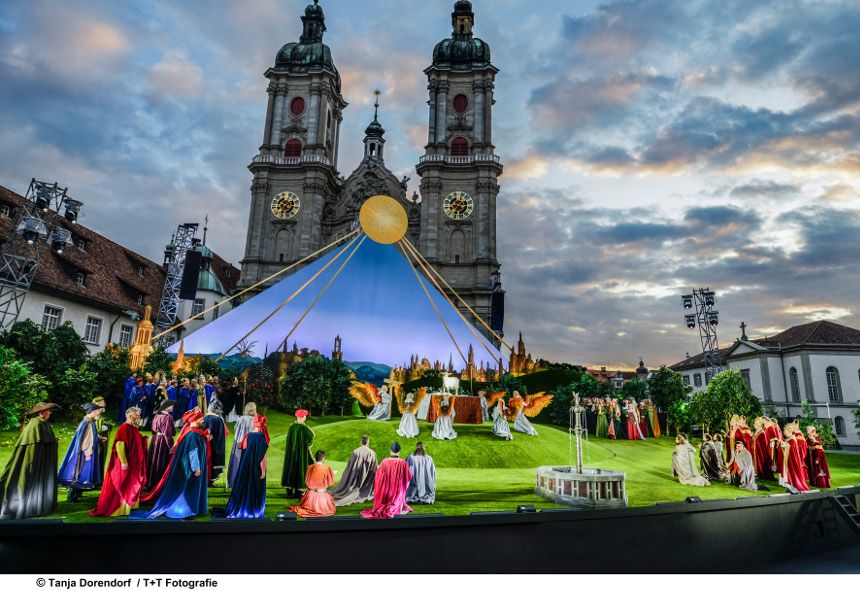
{"type": "Point", "coordinates": [38, 221]}
{"type": "Point", "coordinates": [701, 304]}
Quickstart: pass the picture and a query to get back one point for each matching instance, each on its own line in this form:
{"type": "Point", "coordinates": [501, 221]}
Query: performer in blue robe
{"type": "Point", "coordinates": [183, 400]}
{"type": "Point", "coordinates": [126, 397]}
{"type": "Point", "coordinates": [82, 467]}
{"type": "Point", "coordinates": [182, 491]}
{"type": "Point", "coordinates": [171, 390]}
{"type": "Point", "coordinates": [248, 496]}
{"type": "Point", "coordinates": [138, 396]}
{"type": "Point", "coordinates": [218, 432]}
{"type": "Point", "coordinates": [209, 390]}
{"type": "Point", "coordinates": [150, 400]}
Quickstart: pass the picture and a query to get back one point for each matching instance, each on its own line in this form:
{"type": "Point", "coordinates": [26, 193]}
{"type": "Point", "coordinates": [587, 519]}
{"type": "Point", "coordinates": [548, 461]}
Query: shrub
{"type": "Point", "coordinates": [727, 395]}
{"type": "Point", "coordinates": [20, 389]}
{"type": "Point", "coordinates": [318, 384]}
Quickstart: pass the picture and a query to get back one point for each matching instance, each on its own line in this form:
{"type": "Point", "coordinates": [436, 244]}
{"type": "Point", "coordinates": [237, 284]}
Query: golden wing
{"type": "Point", "coordinates": [420, 394]}
{"type": "Point", "coordinates": [514, 405]}
{"type": "Point", "coordinates": [493, 398]}
{"type": "Point", "coordinates": [535, 403]}
{"type": "Point", "coordinates": [398, 395]}
{"type": "Point", "coordinates": [366, 394]}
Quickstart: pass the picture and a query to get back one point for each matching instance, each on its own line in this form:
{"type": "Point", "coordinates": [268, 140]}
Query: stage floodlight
{"type": "Point", "coordinates": [60, 238]}
{"type": "Point", "coordinates": [285, 517]}
{"type": "Point", "coordinates": [713, 318]}
{"type": "Point", "coordinates": [73, 209]}
{"type": "Point", "coordinates": [687, 301]}
{"type": "Point", "coordinates": [709, 298]}
{"type": "Point", "coordinates": [43, 198]}
{"type": "Point", "coordinates": [693, 500]}
{"type": "Point", "coordinates": [690, 319]}
{"type": "Point", "coordinates": [31, 229]}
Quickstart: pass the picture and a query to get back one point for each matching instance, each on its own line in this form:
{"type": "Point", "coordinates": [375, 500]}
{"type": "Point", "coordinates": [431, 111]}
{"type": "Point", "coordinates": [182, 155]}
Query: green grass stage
{"type": "Point", "coordinates": [476, 471]}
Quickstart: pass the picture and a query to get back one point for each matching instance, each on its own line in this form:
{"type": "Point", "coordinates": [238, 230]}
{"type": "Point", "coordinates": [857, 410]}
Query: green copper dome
{"type": "Point", "coordinates": [471, 51]}
{"type": "Point", "coordinates": [301, 56]}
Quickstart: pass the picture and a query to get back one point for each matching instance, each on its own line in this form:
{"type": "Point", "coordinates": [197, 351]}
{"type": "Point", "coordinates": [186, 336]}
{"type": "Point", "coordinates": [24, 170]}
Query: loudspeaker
{"type": "Point", "coordinates": [497, 311]}
{"type": "Point", "coordinates": [190, 273]}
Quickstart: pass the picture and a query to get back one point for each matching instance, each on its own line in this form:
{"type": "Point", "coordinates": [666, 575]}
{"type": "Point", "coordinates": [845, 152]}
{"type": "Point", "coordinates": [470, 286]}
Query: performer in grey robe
{"type": "Point", "coordinates": [356, 484]}
{"type": "Point", "coordinates": [444, 426]}
{"type": "Point", "coordinates": [243, 426]}
{"type": "Point", "coordinates": [382, 411]}
{"type": "Point", "coordinates": [521, 423]}
{"type": "Point", "coordinates": [500, 421]}
{"type": "Point", "coordinates": [741, 468]}
{"type": "Point", "coordinates": [684, 464]}
{"type": "Point", "coordinates": [408, 423]}
{"type": "Point", "coordinates": [422, 487]}
{"type": "Point", "coordinates": [485, 412]}
{"type": "Point", "coordinates": [710, 460]}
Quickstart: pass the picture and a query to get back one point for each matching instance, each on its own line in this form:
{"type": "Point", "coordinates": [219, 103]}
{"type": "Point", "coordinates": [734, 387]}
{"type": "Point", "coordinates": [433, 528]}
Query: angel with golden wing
{"type": "Point", "coordinates": [408, 406]}
{"type": "Point", "coordinates": [530, 406]}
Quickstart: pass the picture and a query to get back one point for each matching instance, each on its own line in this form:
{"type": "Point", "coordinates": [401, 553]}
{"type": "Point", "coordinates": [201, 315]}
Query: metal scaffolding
{"type": "Point", "coordinates": [21, 252]}
{"type": "Point", "coordinates": [706, 318]}
{"type": "Point", "coordinates": [174, 259]}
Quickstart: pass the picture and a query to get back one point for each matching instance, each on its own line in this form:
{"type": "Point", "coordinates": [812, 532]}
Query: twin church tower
{"type": "Point", "coordinates": [300, 203]}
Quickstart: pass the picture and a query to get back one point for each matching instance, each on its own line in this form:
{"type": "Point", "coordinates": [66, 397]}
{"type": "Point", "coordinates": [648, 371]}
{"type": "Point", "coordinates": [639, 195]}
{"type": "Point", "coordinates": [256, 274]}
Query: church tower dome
{"type": "Point", "coordinates": [462, 49]}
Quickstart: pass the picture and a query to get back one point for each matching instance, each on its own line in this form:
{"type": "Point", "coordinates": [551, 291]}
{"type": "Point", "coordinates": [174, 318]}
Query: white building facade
{"type": "Point", "coordinates": [817, 362]}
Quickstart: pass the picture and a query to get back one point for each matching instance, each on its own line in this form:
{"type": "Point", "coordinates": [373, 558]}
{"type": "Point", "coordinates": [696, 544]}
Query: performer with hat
{"type": "Point", "coordinates": [298, 456]}
{"type": "Point", "coordinates": [126, 473]}
{"type": "Point", "coordinates": [82, 467]}
{"type": "Point", "coordinates": [183, 491]}
{"type": "Point", "coordinates": [161, 445]}
{"type": "Point", "coordinates": [28, 486]}
{"type": "Point", "coordinates": [389, 487]}
{"type": "Point", "coordinates": [103, 427]}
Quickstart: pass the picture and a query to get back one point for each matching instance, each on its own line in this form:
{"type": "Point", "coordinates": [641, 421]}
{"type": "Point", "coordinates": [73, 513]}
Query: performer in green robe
{"type": "Point", "coordinates": [298, 457]}
{"type": "Point", "coordinates": [28, 486]}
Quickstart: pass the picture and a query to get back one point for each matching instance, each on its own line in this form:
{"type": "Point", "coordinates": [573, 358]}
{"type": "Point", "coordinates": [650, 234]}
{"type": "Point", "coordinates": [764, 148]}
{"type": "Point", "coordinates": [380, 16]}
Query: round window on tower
{"type": "Point", "coordinates": [297, 107]}
{"type": "Point", "coordinates": [461, 103]}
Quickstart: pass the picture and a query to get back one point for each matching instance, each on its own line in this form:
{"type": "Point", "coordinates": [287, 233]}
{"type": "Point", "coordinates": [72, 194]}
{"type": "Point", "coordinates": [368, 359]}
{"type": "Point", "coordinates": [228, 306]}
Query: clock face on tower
{"type": "Point", "coordinates": [458, 205]}
{"type": "Point", "coordinates": [286, 205]}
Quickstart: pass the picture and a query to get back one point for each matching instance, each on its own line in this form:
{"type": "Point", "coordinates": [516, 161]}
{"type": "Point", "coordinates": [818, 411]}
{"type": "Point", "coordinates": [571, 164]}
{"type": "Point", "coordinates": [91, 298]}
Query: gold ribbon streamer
{"type": "Point", "coordinates": [320, 294]}
{"type": "Point", "coordinates": [452, 290]}
{"type": "Point", "coordinates": [258, 284]}
{"type": "Point", "coordinates": [432, 303]}
{"type": "Point", "coordinates": [450, 303]}
{"type": "Point", "coordinates": [287, 301]}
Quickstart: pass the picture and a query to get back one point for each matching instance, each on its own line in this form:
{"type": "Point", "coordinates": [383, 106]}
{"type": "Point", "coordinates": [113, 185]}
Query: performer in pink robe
{"type": "Point", "coordinates": [126, 471]}
{"type": "Point", "coordinates": [389, 487]}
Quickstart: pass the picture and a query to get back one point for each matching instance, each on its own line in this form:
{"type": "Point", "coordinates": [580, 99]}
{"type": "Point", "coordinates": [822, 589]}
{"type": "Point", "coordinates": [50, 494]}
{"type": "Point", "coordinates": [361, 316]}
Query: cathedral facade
{"type": "Point", "coordinates": [300, 202]}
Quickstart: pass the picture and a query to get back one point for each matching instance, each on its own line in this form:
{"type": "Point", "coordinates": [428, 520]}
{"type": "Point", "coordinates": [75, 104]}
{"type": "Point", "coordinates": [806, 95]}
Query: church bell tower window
{"type": "Point", "coordinates": [293, 149]}
{"type": "Point", "coordinates": [459, 146]}
{"type": "Point", "coordinates": [297, 106]}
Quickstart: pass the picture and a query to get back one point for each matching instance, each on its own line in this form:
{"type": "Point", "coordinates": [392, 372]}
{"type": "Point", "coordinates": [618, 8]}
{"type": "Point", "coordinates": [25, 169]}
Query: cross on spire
{"type": "Point", "coordinates": [376, 93]}
{"type": "Point", "coordinates": [744, 330]}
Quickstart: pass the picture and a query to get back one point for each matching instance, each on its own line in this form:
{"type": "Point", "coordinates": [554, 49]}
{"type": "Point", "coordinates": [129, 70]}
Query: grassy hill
{"type": "Point", "coordinates": [476, 471]}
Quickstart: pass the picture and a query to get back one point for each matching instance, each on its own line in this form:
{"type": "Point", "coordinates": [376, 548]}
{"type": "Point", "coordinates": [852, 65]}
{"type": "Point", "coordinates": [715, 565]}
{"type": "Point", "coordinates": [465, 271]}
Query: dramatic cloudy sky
{"type": "Point", "coordinates": [649, 146]}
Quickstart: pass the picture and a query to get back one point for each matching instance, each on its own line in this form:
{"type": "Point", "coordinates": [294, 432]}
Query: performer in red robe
{"type": "Point", "coordinates": [193, 420]}
{"type": "Point", "coordinates": [819, 473]}
{"type": "Point", "coordinates": [793, 466]}
{"type": "Point", "coordinates": [761, 450]}
{"type": "Point", "coordinates": [389, 487]}
{"type": "Point", "coordinates": [126, 471]}
{"type": "Point", "coordinates": [774, 441]}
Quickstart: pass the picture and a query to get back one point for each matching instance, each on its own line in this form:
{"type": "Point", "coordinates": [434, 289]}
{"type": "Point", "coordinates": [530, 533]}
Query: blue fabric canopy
{"type": "Point", "coordinates": [376, 305]}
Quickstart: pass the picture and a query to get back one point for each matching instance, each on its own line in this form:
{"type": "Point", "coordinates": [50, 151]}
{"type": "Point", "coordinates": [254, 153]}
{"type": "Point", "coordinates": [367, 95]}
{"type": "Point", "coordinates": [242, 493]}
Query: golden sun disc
{"type": "Point", "coordinates": [383, 219]}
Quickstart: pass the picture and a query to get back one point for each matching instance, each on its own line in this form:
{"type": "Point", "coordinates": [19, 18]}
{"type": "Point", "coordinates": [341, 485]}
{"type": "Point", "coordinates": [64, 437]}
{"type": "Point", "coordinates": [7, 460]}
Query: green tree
{"type": "Point", "coordinates": [808, 419]}
{"type": "Point", "coordinates": [20, 389]}
{"type": "Point", "coordinates": [318, 384]}
{"type": "Point", "coordinates": [635, 389]}
{"type": "Point", "coordinates": [669, 394]}
{"type": "Point", "coordinates": [76, 387]}
{"type": "Point", "coordinates": [111, 369]}
{"type": "Point", "coordinates": [28, 341]}
{"type": "Point", "coordinates": [158, 361]}
{"type": "Point", "coordinates": [727, 394]}
{"type": "Point", "coordinates": [260, 385]}
{"type": "Point", "coordinates": [586, 386]}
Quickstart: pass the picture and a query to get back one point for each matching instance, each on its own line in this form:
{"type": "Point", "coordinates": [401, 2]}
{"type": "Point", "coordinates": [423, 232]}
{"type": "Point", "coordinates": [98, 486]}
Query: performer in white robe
{"type": "Point", "coordinates": [243, 426]}
{"type": "Point", "coordinates": [741, 468]}
{"type": "Point", "coordinates": [422, 487]}
{"type": "Point", "coordinates": [485, 412]}
{"type": "Point", "coordinates": [521, 423]}
{"type": "Point", "coordinates": [382, 410]}
{"type": "Point", "coordinates": [500, 421]}
{"type": "Point", "coordinates": [356, 484]}
{"type": "Point", "coordinates": [408, 423]}
{"type": "Point", "coordinates": [444, 426]}
{"type": "Point", "coordinates": [684, 464]}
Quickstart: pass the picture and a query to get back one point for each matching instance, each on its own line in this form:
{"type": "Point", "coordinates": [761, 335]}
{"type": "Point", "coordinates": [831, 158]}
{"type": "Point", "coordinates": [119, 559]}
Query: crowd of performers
{"type": "Point", "coordinates": [610, 418]}
{"type": "Point", "coordinates": [174, 473]}
{"type": "Point", "coordinates": [743, 455]}
{"type": "Point", "coordinates": [516, 409]}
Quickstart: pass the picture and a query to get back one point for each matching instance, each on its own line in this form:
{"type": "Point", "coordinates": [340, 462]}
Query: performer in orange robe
{"type": "Point", "coordinates": [819, 473]}
{"type": "Point", "coordinates": [317, 501]}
